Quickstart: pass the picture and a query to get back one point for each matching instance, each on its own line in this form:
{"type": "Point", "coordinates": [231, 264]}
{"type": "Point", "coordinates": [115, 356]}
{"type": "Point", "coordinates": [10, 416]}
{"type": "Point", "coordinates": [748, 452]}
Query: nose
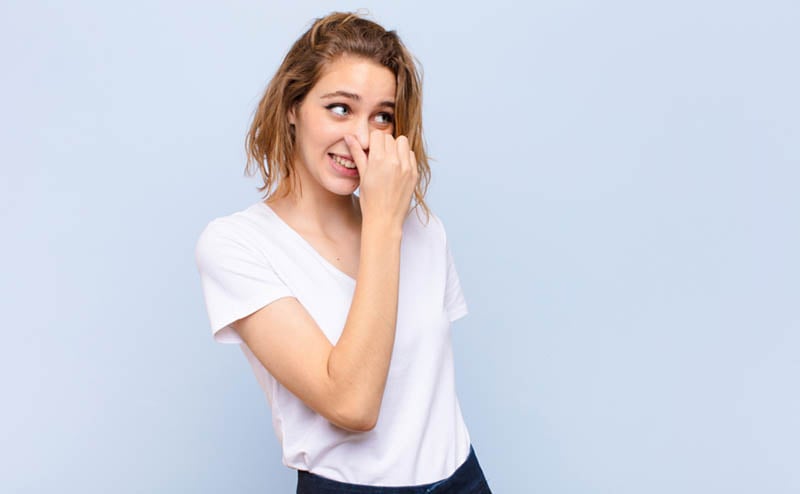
{"type": "Point", "coordinates": [361, 131]}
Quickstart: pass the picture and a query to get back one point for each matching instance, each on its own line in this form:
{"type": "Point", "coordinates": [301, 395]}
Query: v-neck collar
{"type": "Point", "coordinates": [305, 242]}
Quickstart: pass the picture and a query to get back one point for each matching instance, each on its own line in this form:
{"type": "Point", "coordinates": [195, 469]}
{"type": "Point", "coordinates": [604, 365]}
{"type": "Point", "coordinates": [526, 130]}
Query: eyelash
{"type": "Point", "coordinates": [389, 117]}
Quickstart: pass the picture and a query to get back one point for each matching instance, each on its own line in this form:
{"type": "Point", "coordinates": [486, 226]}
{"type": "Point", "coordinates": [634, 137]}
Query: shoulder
{"type": "Point", "coordinates": [238, 230]}
{"type": "Point", "coordinates": [436, 225]}
{"type": "Point", "coordinates": [417, 219]}
{"type": "Point", "coordinates": [428, 234]}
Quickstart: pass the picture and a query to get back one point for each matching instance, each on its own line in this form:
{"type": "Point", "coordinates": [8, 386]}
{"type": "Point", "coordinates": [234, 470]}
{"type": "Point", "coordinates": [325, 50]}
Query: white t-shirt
{"type": "Point", "coordinates": [251, 258]}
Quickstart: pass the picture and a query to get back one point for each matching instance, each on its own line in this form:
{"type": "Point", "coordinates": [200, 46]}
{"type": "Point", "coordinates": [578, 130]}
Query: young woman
{"type": "Point", "coordinates": [342, 303]}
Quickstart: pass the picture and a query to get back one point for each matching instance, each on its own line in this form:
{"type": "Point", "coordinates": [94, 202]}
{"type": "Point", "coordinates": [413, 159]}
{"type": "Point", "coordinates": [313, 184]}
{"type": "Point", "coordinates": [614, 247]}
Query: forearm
{"type": "Point", "coordinates": [358, 364]}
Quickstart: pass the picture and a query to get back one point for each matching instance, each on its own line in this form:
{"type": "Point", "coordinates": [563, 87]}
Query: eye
{"type": "Point", "coordinates": [339, 109]}
{"type": "Point", "coordinates": [385, 118]}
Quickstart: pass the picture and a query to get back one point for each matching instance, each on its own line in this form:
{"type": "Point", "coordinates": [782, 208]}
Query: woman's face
{"type": "Point", "coordinates": [354, 96]}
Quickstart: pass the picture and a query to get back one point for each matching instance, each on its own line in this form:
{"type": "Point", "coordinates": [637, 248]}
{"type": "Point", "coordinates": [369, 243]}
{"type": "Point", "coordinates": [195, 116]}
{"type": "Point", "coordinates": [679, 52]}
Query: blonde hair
{"type": "Point", "coordinates": [270, 141]}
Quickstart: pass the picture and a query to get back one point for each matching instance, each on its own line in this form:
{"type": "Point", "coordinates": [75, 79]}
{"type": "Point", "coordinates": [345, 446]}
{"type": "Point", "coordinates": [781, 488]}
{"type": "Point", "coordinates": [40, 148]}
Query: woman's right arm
{"type": "Point", "coordinates": [345, 382]}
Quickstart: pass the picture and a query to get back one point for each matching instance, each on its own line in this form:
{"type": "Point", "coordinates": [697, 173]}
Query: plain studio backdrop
{"type": "Point", "coordinates": [619, 181]}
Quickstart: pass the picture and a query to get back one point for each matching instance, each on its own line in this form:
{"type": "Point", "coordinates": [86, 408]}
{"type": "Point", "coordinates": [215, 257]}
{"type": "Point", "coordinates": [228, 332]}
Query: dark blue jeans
{"type": "Point", "coordinates": [467, 479]}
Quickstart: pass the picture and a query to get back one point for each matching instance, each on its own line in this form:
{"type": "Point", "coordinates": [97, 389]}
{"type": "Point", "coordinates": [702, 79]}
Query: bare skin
{"type": "Point", "coordinates": [346, 117]}
{"type": "Point", "coordinates": [340, 245]}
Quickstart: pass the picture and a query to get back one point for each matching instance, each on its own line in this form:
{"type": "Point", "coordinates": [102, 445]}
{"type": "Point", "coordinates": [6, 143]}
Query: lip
{"type": "Point", "coordinates": [348, 172]}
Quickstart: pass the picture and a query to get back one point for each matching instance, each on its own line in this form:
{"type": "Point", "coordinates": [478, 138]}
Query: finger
{"type": "Point", "coordinates": [414, 164]}
{"type": "Point", "coordinates": [390, 147]}
{"type": "Point", "coordinates": [403, 151]}
{"type": "Point", "coordinates": [377, 144]}
{"type": "Point", "coordinates": [358, 154]}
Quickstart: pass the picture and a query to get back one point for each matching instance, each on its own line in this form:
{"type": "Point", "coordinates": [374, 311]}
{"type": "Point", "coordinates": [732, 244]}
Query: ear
{"type": "Point", "coordinates": [291, 115]}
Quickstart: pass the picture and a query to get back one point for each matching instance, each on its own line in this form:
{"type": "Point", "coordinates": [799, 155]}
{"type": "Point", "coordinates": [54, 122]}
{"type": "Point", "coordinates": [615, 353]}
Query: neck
{"type": "Point", "coordinates": [330, 214]}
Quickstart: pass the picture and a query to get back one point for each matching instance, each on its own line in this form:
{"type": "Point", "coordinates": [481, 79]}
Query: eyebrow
{"type": "Point", "coordinates": [354, 97]}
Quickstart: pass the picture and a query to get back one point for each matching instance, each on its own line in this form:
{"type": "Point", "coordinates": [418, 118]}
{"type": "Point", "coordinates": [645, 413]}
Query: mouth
{"type": "Point", "coordinates": [346, 162]}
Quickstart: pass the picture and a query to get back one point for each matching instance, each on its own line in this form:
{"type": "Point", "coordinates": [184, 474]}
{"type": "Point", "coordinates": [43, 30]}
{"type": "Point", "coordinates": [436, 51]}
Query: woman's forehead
{"type": "Point", "coordinates": [356, 76]}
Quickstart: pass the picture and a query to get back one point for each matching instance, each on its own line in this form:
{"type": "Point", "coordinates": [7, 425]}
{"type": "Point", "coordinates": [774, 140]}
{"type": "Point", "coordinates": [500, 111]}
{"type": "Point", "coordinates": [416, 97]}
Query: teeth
{"type": "Point", "coordinates": [344, 162]}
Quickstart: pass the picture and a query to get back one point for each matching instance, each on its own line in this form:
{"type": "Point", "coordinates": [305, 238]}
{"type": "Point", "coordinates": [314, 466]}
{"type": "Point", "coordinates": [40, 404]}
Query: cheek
{"type": "Point", "coordinates": [323, 133]}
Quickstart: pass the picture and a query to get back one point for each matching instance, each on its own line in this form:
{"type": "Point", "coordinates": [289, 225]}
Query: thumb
{"type": "Point", "coordinates": [359, 157]}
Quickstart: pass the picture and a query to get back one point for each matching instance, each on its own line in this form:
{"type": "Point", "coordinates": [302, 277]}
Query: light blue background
{"type": "Point", "coordinates": [619, 182]}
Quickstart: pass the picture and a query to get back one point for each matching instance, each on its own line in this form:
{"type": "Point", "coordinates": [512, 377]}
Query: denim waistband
{"type": "Point", "coordinates": [467, 478]}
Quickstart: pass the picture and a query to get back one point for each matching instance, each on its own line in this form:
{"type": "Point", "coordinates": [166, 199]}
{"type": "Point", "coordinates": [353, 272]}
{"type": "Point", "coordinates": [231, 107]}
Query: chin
{"type": "Point", "coordinates": [345, 191]}
{"type": "Point", "coordinates": [342, 188]}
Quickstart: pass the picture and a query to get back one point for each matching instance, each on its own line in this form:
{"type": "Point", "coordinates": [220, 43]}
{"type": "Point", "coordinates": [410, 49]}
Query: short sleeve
{"type": "Point", "coordinates": [454, 301]}
{"type": "Point", "coordinates": [236, 279]}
